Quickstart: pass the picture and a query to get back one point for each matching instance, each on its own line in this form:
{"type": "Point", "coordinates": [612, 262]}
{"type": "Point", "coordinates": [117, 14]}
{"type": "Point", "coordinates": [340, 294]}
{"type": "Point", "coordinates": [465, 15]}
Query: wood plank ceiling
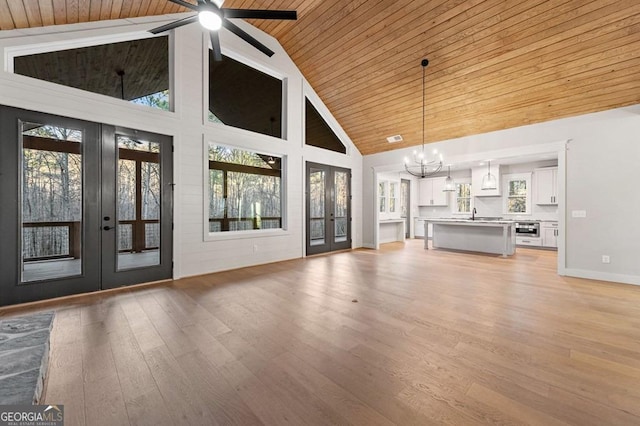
{"type": "Point", "coordinates": [495, 64]}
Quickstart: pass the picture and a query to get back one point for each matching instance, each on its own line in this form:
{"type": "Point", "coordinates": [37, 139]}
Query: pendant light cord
{"type": "Point", "coordinates": [424, 63]}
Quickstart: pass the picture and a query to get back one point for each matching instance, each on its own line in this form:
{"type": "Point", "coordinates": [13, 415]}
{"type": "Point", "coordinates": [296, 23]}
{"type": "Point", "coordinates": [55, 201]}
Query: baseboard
{"type": "Point", "coordinates": [603, 276]}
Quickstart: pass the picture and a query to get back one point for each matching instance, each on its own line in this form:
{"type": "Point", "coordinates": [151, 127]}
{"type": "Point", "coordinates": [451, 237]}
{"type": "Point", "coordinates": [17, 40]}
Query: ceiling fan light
{"type": "Point", "coordinates": [210, 20]}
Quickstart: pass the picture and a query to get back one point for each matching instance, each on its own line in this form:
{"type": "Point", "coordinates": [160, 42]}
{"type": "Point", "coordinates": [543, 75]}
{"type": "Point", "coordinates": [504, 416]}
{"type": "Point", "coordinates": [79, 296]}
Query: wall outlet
{"type": "Point", "coordinates": [578, 213]}
{"type": "Point", "coordinates": [606, 259]}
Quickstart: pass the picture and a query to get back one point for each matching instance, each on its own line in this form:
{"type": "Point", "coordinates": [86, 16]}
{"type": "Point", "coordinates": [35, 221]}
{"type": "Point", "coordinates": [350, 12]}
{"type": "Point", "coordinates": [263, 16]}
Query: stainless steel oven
{"type": "Point", "coordinates": [528, 229]}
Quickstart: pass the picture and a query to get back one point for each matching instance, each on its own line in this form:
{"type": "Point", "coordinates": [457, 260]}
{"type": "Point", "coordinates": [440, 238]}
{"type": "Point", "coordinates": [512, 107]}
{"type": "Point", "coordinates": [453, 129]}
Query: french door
{"type": "Point", "coordinates": [84, 206]}
{"type": "Point", "coordinates": [328, 208]}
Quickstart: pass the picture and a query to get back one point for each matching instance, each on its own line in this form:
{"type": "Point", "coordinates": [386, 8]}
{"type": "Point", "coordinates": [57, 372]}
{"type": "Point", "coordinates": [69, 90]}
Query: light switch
{"type": "Point", "coordinates": [578, 213]}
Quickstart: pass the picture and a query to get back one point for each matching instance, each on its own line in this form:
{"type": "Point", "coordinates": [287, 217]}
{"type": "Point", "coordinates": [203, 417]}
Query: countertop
{"type": "Point", "coordinates": [481, 219]}
{"type": "Point", "coordinates": [472, 222]}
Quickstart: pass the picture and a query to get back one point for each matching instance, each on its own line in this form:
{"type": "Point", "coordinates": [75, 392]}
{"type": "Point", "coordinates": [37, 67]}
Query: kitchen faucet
{"type": "Point", "coordinates": [473, 214]}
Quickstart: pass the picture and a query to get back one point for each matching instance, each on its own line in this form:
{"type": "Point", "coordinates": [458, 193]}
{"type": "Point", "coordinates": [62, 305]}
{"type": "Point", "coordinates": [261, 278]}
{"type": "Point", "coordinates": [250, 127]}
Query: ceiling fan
{"type": "Point", "coordinates": [213, 16]}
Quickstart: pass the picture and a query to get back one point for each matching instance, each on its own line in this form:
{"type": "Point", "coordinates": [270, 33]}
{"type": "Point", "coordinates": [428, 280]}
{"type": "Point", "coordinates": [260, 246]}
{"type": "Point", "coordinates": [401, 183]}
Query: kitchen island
{"type": "Point", "coordinates": [481, 235]}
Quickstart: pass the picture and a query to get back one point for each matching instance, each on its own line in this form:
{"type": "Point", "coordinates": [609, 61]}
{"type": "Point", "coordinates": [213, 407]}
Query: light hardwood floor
{"type": "Point", "coordinates": [435, 337]}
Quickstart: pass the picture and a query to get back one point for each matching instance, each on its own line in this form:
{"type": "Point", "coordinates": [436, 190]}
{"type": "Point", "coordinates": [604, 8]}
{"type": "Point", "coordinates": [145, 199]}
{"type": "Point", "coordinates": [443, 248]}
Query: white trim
{"type": "Point", "coordinates": [603, 276]}
{"type": "Point", "coordinates": [562, 207]}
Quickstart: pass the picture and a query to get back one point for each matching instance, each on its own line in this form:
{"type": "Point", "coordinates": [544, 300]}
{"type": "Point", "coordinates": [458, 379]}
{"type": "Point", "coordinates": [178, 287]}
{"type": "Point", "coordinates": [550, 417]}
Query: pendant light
{"type": "Point", "coordinates": [421, 166]}
{"type": "Point", "coordinates": [489, 181]}
{"type": "Point", "coordinates": [449, 184]}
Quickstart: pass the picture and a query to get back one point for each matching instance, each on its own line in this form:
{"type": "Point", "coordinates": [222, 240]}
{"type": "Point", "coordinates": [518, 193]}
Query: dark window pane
{"type": "Point", "coordinates": [144, 65]}
{"type": "Point", "coordinates": [318, 133]}
{"type": "Point", "coordinates": [243, 97]}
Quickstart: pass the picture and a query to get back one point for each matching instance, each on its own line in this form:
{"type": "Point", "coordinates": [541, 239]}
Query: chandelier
{"type": "Point", "coordinates": [421, 166]}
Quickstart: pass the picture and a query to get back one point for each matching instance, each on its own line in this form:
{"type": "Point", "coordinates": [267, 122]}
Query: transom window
{"type": "Point", "coordinates": [318, 133]}
{"type": "Point", "coordinates": [518, 199]}
{"type": "Point", "coordinates": [245, 190]}
{"type": "Point", "coordinates": [243, 97]}
{"type": "Point", "coordinates": [135, 70]}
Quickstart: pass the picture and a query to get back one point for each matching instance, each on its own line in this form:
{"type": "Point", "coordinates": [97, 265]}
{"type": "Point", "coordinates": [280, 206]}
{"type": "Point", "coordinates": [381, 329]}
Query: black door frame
{"type": "Point", "coordinates": [11, 290]}
{"type": "Point", "coordinates": [98, 185]}
{"type": "Point", "coordinates": [111, 276]}
{"type": "Point", "coordinates": [329, 206]}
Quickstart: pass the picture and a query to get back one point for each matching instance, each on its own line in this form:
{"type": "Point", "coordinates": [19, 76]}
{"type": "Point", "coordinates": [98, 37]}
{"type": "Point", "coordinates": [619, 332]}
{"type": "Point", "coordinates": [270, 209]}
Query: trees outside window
{"type": "Point", "coordinates": [463, 198]}
{"type": "Point", "coordinates": [518, 199]}
{"type": "Point", "coordinates": [245, 190]}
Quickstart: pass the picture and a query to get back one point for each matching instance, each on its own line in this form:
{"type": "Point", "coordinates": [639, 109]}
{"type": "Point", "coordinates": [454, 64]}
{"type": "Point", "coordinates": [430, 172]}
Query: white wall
{"type": "Point", "coordinates": [602, 172]}
{"type": "Point", "coordinates": [193, 253]}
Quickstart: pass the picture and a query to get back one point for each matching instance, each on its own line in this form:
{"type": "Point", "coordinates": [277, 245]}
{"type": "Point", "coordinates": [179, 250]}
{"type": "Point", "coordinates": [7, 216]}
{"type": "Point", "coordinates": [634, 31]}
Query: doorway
{"type": "Point", "coordinates": [328, 208]}
{"type": "Point", "coordinates": [84, 206]}
{"type": "Point", "coordinates": [405, 205]}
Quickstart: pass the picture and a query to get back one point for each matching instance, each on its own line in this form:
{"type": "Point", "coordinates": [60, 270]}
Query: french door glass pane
{"type": "Point", "coordinates": [138, 208]}
{"type": "Point", "coordinates": [341, 186]}
{"type": "Point", "coordinates": [51, 201]}
{"type": "Point", "coordinates": [316, 206]}
{"type": "Point", "coordinates": [404, 198]}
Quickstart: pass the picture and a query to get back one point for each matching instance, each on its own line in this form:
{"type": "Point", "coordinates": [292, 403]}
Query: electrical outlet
{"type": "Point", "coordinates": [578, 213]}
{"type": "Point", "coordinates": [606, 259]}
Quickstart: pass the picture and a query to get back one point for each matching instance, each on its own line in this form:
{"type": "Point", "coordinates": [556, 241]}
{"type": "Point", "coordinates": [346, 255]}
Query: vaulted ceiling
{"type": "Point", "coordinates": [494, 64]}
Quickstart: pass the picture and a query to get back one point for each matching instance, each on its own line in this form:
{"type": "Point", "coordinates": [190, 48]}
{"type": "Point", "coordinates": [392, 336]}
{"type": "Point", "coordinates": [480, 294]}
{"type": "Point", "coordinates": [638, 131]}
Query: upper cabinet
{"type": "Point", "coordinates": [431, 192]}
{"type": "Point", "coordinates": [546, 186]}
{"type": "Point", "coordinates": [477, 174]}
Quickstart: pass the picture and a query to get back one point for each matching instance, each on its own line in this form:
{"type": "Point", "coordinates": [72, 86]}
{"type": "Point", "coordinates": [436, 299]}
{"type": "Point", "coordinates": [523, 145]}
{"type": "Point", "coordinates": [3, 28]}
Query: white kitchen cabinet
{"type": "Point", "coordinates": [430, 192]}
{"type": "Point", "coordinates": [529, 241]}
{"type": "Point", "coordinates": [477, 174]}
{"type": "Point", "coordinates": [546, 186]}
{"type": "Point", "coordinates": [549, 233]}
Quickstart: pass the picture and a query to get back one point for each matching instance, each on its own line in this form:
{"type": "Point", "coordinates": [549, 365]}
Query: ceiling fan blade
{"type": "Point", "coordinates": [246, 37]}
{"type": "Point", "coordinates": [174, 24]}
{"type": "Point", "coordinates": [185, 4]}
{"type": "Point", "coordinates": [260, 14]}
{"type": "Point", "coordinates": [215, 45]}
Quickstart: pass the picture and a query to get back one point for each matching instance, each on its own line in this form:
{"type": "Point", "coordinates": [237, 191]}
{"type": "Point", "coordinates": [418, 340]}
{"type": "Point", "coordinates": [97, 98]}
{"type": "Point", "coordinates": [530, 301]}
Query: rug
{"type": "Point", "coordinates": [24, 357]}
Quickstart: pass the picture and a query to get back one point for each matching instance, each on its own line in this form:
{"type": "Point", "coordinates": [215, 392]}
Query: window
{"type": "Point", "coordinates": [245, 190]}
{"type": "Point", "coordinates": [463, 198]}
{"type": "Point", "coordinates": [135, 70]}
{"type": "Point", "coordinates": [518, 197]}
{"type": "Point", "coordinates": [389, 199]}
{"type": "Point", "coordinates": [243, 97]}
{"type": "Point", "coordinates": [318, 133]}
{"type": "Point", "coordinates": [382, 196]}
{"type": "Point", "coordinates": [393, 196]}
